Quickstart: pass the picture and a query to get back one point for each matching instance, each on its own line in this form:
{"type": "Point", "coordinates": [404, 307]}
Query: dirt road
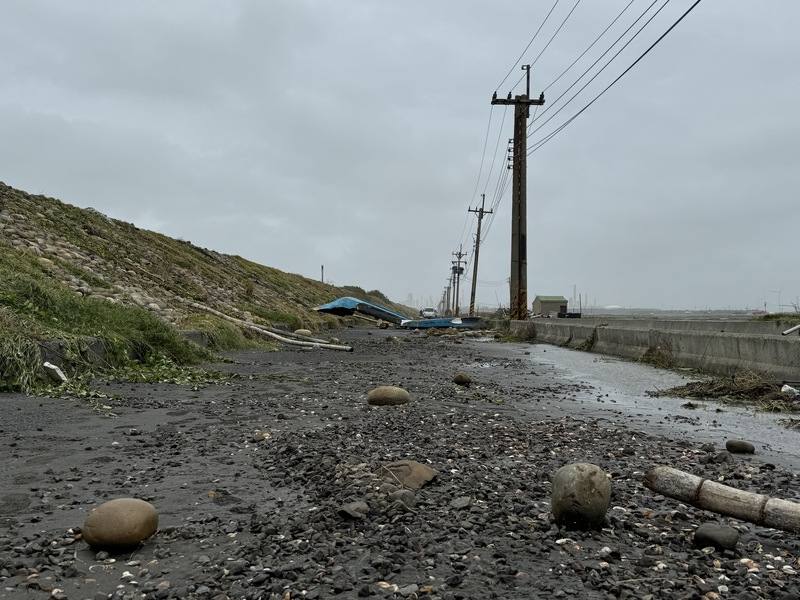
{"type": "Point", "coordinates": [249, 478]}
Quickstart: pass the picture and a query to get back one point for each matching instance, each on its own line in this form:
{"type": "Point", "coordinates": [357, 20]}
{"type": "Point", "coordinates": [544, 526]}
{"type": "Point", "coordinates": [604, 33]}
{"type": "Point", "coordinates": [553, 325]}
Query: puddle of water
{"type": "Point", "coordinates": [620, 388]}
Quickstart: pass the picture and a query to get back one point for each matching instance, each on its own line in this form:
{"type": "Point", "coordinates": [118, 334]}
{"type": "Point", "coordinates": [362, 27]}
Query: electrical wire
{"type": "Point", "coordinates": [603, 68]}
{"type": "Point", "coordinates": [533, 38]}
{"type": "Point", "coordinates": [599, 58]}
{"type": "Point", "coordinates": [589, 47]}
{"type": "Point", "coordinates": [550, 136]}
{"type": "Point", "coordinates": [557, 31]}
{"type": "Point", "coordinates": [552, 37]}
{"type": "Point", "coordinates": [496, 146]}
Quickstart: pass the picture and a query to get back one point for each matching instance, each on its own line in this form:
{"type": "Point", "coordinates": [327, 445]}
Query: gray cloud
{"type": "Point", "coordinates": [297, 133]}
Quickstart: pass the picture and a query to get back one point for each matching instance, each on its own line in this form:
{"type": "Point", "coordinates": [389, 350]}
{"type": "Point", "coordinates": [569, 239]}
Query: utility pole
{"type": "Point", "coordinates": [519, 225]}
{"type": "Point", "coordinates": [458, 270]}
{"type": "Point", "coordinates": [447, 295]}
{"type": "Point", "coordinates": [480, 212]}
{"type": "Point", "coordinates": [322, 273]}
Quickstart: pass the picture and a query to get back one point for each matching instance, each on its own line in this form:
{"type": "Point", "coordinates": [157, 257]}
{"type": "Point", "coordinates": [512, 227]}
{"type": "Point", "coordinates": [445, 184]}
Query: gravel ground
{"type": "Point", "coordinates": [249, 479]}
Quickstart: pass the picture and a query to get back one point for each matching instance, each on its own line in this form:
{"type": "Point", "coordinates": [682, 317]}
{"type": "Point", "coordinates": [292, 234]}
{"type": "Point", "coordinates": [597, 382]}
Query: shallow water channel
{"type": "Point", "coordinates": [619, 392]}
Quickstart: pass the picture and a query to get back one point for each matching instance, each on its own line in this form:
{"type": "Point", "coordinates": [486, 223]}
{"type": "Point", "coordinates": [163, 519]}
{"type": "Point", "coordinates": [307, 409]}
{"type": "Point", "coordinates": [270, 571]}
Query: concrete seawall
{"type": "Point", "coordinates": [718, 347]}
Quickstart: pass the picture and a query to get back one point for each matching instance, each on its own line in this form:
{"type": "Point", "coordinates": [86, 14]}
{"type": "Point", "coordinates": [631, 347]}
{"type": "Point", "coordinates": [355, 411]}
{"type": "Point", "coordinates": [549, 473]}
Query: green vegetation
{"type": "Point", "coordinates": [785, 318]}
{"type": "Point", "coordinates": [102, 297]}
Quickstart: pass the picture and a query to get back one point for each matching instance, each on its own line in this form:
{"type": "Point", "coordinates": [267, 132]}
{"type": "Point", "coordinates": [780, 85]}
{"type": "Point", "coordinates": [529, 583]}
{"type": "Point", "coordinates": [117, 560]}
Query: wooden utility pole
{"type": "Point", "coordinates": [480, 212]}
{"type": "Point", "coordinates": [322, 273]}
{"type": "Point", "coordinates": [519, 225]}
{"type": "Point", "coordinates": [447, 294]}
{"type": "Point", "coordinates": [458, 270]}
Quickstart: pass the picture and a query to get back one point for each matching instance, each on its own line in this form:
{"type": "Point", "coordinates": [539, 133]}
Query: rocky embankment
{"type": "Point", "coordinates": [100, 257]}
{"type": "Point", "coordinates": [284, 484]}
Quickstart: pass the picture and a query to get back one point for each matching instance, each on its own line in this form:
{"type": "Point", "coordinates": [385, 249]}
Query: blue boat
{"type": "Point", "coordinates": [347, 306]}
{"type": "Point", "coordinates": [443, 322]}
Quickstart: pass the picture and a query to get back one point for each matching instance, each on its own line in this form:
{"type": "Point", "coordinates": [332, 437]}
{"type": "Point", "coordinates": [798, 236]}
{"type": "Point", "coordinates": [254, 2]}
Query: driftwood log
{"type": "Point", "coordinates": [716, 497]}
{"type": "Point", "coordinates": [265, 332]}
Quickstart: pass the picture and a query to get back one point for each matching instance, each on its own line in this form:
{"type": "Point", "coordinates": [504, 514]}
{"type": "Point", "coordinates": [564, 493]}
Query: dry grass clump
{"type": "Point", "coordinates": [745, 387]}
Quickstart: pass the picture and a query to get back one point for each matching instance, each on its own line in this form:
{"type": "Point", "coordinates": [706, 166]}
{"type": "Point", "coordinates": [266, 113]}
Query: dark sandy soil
{"type": "Point", "coordinates": [256, 515]}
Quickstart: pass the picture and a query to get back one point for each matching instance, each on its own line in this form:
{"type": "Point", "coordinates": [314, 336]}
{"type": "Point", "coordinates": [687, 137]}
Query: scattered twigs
{"type": "Point", "coordinates": [716, 497]}
{"type": "Point", "coordinates": [266, 332]}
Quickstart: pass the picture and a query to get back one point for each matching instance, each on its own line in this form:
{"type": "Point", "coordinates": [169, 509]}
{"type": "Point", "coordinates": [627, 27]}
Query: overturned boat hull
{"type": "Point", "coordinates": [347, 306]}
{"type": "Point", "coordinates": [443, 322]}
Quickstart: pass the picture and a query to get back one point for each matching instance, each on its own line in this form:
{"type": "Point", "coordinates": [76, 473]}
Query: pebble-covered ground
{"type": "Point", "coordinates": [250, 479]}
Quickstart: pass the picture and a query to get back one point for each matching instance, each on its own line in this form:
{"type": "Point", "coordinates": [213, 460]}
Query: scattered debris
{"type": "Point", "coordinates": [55, 373]}
{"type": "Point", "coordinates": [744, 387]}
{"type": "Point", "coordinates": [723, 499]}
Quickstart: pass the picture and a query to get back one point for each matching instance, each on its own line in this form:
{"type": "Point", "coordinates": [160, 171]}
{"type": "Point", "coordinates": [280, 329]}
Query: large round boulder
{"type": "Point", "coordinates": [581, 495]}
{"type": "Point", "coordinates": [388, 395]}
{"type": "Point", "coordinates": [740, 447]}
{"type": "Point", "coordinates": [120, 523]}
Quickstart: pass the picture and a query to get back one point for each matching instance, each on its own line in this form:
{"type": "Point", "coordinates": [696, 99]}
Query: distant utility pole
{"type": "Point", "coordinates": [519, 225]}
{"type": "Point", "coordinates": [447, 295]}
{"type": "Point", "coordinates": [458, 270]}
{"type": "Point", "coordinates": [322, 273]}
{"type": "Point", "coordinates": [480, 212]}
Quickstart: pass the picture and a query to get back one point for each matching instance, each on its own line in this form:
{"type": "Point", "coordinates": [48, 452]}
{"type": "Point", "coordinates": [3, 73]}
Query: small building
{"type": "Point", "coordinates": [547, 305]}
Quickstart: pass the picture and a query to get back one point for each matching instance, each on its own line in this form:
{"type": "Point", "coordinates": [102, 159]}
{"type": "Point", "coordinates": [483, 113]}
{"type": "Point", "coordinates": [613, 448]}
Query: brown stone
{"type": "Point", "coordinates": [388, 395]}
{"type": "Point", "coordinates": [120, 523]}
{"type": "Point", "coordinates": [408, 473]}
{"type": "Point", "coordinates": [462, 379]}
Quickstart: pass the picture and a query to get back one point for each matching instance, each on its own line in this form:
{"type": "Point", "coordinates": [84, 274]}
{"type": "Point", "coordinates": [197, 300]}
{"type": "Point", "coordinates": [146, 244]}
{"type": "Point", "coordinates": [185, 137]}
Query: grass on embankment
{"type": "Point", "coordinates": [35, 309]}
{"type": "Point", "coordinates": [95, 285]}
{"type": "Point", "coordinates": [784, 318]}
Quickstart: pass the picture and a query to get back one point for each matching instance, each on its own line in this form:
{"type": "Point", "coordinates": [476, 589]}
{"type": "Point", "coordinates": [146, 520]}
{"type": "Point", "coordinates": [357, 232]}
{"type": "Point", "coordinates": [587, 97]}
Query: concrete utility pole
{"type": "Point", "coordinates": [519, 225]}
{"type": "Point", "coordinates": [480, 212]}
{"type": "Point", "coordinates": [458, 270]}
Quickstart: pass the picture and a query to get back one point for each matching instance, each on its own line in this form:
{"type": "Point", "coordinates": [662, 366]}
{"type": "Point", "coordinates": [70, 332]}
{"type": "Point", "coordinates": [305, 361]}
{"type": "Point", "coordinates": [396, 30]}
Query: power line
{"type": "Point", "coordinates": [621, 75]}
{"type": "Point", "coordinates": [496, 146]}
{"type": "Point", "coordinates": [599, 58]}
{"type": "Point", "coordinates": [547, 45]}
{"type": "Point", "coordinates": [557, 31]}
{"type": "Point", "coordinates": [603, 68]}
{"type": "Point", "coordinates": [589, 47]}
{"type": "Point", "coordinates": [550, 12]}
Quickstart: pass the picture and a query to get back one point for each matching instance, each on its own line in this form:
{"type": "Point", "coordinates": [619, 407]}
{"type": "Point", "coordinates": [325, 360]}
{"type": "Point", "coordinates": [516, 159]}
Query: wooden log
{"type": "Point", "coordinates": [267, 333]}
{"type": "Point", "coordinates": [725, 500]}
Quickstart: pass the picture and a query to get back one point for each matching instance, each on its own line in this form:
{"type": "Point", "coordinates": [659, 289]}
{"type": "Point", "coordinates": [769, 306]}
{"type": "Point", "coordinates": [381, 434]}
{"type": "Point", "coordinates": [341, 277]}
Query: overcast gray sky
{"type": "Point", "coordinates": [300, 132]}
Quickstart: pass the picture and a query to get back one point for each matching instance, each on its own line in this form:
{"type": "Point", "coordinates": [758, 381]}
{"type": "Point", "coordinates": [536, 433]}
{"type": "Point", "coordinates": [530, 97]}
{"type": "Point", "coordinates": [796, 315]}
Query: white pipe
{"type": "Point", "coordinates": [267, 333]}
{"type": "Point", "coordinates": [791, 330]}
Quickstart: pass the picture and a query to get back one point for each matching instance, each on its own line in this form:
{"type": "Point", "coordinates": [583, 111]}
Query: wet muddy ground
{"type": "Point", "coordinates": [249, 477]}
